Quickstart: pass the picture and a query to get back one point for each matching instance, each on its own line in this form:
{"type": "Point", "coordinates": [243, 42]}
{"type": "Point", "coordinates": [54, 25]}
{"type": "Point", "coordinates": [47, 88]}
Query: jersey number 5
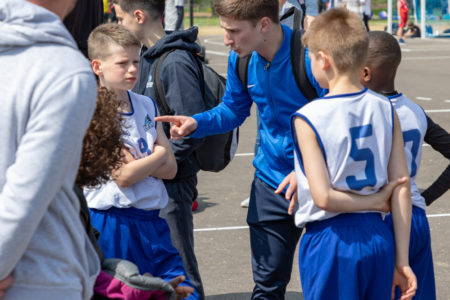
{"type": "Point", "coordinates": [364, 154]}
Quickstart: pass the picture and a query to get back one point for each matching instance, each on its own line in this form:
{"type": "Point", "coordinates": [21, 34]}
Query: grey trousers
{"type": "Point", "coordinates": [178, 214]}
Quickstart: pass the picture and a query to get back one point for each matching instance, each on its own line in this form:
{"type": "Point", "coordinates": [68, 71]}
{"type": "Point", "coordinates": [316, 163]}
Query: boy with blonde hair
{"type": "Point", "coordinates": [347, 250]}
{"type": "Point", "coordinates": [125, 210]}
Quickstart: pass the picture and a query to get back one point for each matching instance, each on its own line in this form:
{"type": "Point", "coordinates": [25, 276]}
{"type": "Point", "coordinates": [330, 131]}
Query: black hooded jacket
{"type": "Point", "coordinates": [183, 85]}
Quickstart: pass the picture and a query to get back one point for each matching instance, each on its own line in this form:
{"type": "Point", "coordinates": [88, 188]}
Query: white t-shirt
{"type": "Point", "coordinates": [414, 127]}
{"type": "Point", "coordinates": [355, 134]}
{"type": "Point", "coordinates": [140, 135]}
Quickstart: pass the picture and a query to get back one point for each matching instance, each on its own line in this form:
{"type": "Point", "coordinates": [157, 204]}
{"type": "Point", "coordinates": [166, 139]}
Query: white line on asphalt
{"type": "Point", "coordinates": [425, 57]}
{"type": "Point", "coordinates": [447, 100]}
{"type": "Point", "coordinates": [246, 227]}
{"type": "Point", "coordinates": [438, 215]}
{"type": "Point", "coordinates": [244, 154]}
{"type": "Point", "coordinates": [208, 41]}
{"type": "Point", "coordinates": [217, 53]}
{"type": "Point", "coordinates": [221, 228]}
{"type": "Point", "coordinates": [424, 98]}
{"type": "Point", "coordinates": [436, 110]}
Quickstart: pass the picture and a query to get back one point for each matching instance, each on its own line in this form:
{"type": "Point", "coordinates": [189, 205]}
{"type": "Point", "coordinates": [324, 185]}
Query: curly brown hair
{"type": "Point", "coordinates": [102, 143]}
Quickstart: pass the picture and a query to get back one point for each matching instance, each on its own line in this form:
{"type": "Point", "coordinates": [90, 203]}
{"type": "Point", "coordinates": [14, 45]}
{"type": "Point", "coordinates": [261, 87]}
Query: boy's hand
{"type": "Point", "coordinates": [291, 193]}
{"type": "Point", "coordinates": [405, 279]}
{"type": "Point", "coordinates": [181, 291]}
{"type": "Point", "coordinates": [127, 156]}
{"type": "Point", "coordinates": [5, 284]}
{"type": "Point", "coordinates": [180, 126]}
{"type": "Point", "coordinates": [386, 191]}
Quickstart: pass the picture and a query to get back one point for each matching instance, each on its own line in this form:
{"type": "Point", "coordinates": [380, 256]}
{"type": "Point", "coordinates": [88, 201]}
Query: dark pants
{"type": "Point", "coordinates": [178, 214]}
{"type": "Point", "coordinates": [273, 239]}
{"type": "Point", "coordinates": [366, 19]}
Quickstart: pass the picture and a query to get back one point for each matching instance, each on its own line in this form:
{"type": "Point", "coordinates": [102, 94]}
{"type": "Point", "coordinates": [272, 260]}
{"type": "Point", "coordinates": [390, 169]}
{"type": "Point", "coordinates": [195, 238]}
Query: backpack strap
{"type": "Point", "coordinates": [242, 66]}
{"type": "Point", "coordinates": [158, 85]}
{"type": "Point", "coordinates": [299, 66]}
{"type": "Point", "coordinates": [297, 16]}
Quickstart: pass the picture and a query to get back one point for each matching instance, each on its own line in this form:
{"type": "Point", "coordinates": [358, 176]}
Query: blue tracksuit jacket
{"type": "Point", "coordinates": [274, 90]}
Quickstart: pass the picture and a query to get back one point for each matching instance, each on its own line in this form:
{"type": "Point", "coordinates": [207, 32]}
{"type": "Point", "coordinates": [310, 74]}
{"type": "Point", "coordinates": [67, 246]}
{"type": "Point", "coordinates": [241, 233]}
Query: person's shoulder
{"type": "Point", "coordinates": [140, 98]}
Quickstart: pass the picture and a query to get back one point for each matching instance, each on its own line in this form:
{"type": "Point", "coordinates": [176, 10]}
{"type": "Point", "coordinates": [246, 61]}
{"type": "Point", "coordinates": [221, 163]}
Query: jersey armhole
{"type": "Point", "coordinates": [294, 137]}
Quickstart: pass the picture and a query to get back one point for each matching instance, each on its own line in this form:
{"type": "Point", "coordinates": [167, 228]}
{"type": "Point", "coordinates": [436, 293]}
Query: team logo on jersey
{"type": "Point", "coordinates": [148, 124]}
{"type": "Point", "coordinates": [149, 81]}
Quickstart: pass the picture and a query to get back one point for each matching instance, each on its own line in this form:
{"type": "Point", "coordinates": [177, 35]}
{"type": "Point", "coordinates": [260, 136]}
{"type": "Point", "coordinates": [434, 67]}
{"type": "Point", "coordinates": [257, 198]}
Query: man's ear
{"type": "Point", "coordinates": [140, 16]}
{"type": "Point", "coordinates": [265, 23]}
{"type": "Point", "coordinates": [97, 67]}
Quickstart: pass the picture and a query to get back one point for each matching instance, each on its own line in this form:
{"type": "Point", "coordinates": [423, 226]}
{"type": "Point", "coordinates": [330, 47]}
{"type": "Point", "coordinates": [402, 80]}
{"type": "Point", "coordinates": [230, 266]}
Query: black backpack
{"type": "Point", "coordinates": [298, 67]}
{"type": "Point", "coordinates": [218, 150]}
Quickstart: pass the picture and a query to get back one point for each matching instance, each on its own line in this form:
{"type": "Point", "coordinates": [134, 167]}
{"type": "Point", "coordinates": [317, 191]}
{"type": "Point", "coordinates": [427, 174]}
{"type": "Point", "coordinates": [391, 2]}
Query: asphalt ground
{"type": "Point", "coordinates": [221, 233]}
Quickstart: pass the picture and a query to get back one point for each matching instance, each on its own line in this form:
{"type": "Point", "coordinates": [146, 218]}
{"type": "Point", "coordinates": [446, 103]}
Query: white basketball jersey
{"type": "Point", "coordinates": [414, 127]}
{"type": "Point", "coordinates": [355, 134]}
{"type": "Point", "coordinates": [140, 135]}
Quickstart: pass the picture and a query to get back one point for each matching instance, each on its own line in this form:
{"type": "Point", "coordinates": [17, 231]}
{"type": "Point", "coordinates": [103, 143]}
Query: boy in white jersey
{"type": "Point", "coordinates": [348, 146]}
{"type": "Point", "coordinates": [125, 210]}
{"type": "Point", "coordinates": [383, 58]}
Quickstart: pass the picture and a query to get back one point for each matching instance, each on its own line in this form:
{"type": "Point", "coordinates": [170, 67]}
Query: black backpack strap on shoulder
{"type": "Point", "coordinates": [299, 66]}
{"type": "Point", "coordinates": [297, 16]}
{"type": "Point", "coordinates": [242, 67]}
{"type": "Point", "coordinates": [158, 85]}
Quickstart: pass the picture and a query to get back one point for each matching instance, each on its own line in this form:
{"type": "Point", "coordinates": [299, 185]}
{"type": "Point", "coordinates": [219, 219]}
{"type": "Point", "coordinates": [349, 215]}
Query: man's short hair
{"type": "Point", "coordinates": [248, 10]}
{"type": "Point", "coordinates": [410, 23]}
{"type": "Point", "coordinates": [155, 8]}
{"type": "Point", "coordinates": [103, 36]}
{"type": "Point", "coordinates": [342, 35]}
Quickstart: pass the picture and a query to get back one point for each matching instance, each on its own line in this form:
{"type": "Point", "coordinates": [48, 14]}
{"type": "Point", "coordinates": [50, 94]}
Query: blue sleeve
{"type": "Point", "coordinates": [231, 112]}
{"type": "Point", "coordinates": [320, 91]}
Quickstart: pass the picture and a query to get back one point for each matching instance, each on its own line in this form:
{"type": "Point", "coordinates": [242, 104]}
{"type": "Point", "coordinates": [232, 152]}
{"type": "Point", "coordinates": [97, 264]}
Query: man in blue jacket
{"type": "Point", "coordinates": [182, 82]}
{"type": "Point", "coordinates": [252, 28]}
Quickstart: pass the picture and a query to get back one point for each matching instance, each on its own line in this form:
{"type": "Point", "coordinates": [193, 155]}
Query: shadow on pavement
{"type": "Point", "coordinates": [246, 296]}
{"type": "Point", "coordinates": [203, 204]}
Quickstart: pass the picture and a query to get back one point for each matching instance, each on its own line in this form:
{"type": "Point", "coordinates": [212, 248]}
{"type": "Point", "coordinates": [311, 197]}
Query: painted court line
{"type": "Point", "coordinates": [436, 110]}
{"type": "Point", "coordinates": [246, 227]}
{"type": "Point", "coordinates": [217, 53]}
{"type": "Point", "coordinates": [424, 98]}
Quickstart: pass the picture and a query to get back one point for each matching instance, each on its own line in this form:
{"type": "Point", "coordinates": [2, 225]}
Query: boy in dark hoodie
{"type": "Point", "coordinates": [182, 81]}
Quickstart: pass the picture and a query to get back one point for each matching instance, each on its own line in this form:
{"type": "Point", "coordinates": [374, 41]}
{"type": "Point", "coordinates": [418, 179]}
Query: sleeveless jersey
{"type": "Point", "coordinates": [414, 127]}
{"type": "Point", "coordinates": [140, 135]}
{"type": "Point", "coordinates": [355, 134]}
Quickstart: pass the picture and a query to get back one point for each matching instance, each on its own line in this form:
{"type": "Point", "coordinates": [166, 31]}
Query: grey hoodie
{"type": "Point", "coordinates": [47, 96]}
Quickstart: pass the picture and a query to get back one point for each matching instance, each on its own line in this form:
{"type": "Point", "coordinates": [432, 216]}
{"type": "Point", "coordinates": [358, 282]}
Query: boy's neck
{"type": "Point", "coordinates": [344, 84]}
{"type": "Point", "coordinates": [154, 32]}
{"type": "Point", "coordinates": [124, 100]}
{"type": "Point", "coordinates": [272, 43]}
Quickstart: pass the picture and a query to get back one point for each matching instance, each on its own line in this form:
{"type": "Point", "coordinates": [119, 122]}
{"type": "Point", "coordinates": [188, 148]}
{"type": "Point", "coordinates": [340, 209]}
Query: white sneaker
{"type": "Point", "coordinates": [245, 203]}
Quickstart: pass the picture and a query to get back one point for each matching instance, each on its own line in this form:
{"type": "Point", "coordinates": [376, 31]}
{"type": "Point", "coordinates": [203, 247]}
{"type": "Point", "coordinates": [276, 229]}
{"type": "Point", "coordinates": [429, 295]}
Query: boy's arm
{"type": "Point", "coordinates": [135, 170]}
{"type": "Point", "coordinates": [439, 139]}
{"type": "Point", "coordinates": [401, 213]}
{"type": "Point", "coordinates": [168, 169]}
{"type": "Point", "coordinates": [324, 196]}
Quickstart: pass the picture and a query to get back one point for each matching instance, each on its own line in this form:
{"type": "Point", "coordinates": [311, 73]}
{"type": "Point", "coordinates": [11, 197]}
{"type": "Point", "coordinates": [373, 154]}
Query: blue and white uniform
{"type": "Point", "coordinates": [347, 255]}
{"type": "Point", "coordinates": [128, 218]}
{"type": "Point", "coordinates": [139, 138]}
{"type": "Point", "coordinates": [413, 121]}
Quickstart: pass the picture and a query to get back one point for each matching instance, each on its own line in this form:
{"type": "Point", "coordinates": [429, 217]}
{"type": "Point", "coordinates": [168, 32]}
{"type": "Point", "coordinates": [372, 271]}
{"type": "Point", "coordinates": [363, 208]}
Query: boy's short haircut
{"type": "Point", "coordinates": [342, 35]}
{"type": "Point", "coordinates": [248, 10]}
{"type": "Point", "coordinates": [155, 8]}
{"type": "Point", "coordinates": [383, 49]}
{"type": "Point", "coordinates": [105, 35]}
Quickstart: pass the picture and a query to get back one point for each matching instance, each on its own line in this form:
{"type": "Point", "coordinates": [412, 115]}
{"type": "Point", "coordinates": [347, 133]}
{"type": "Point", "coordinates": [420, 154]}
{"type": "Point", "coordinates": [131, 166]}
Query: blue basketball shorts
{"type": "Point", "coordinates": [141, 237]}
{"type": "Point", "coordinates": [350, 256]}
{"type": "Point", "coordinates": [420, 255]}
